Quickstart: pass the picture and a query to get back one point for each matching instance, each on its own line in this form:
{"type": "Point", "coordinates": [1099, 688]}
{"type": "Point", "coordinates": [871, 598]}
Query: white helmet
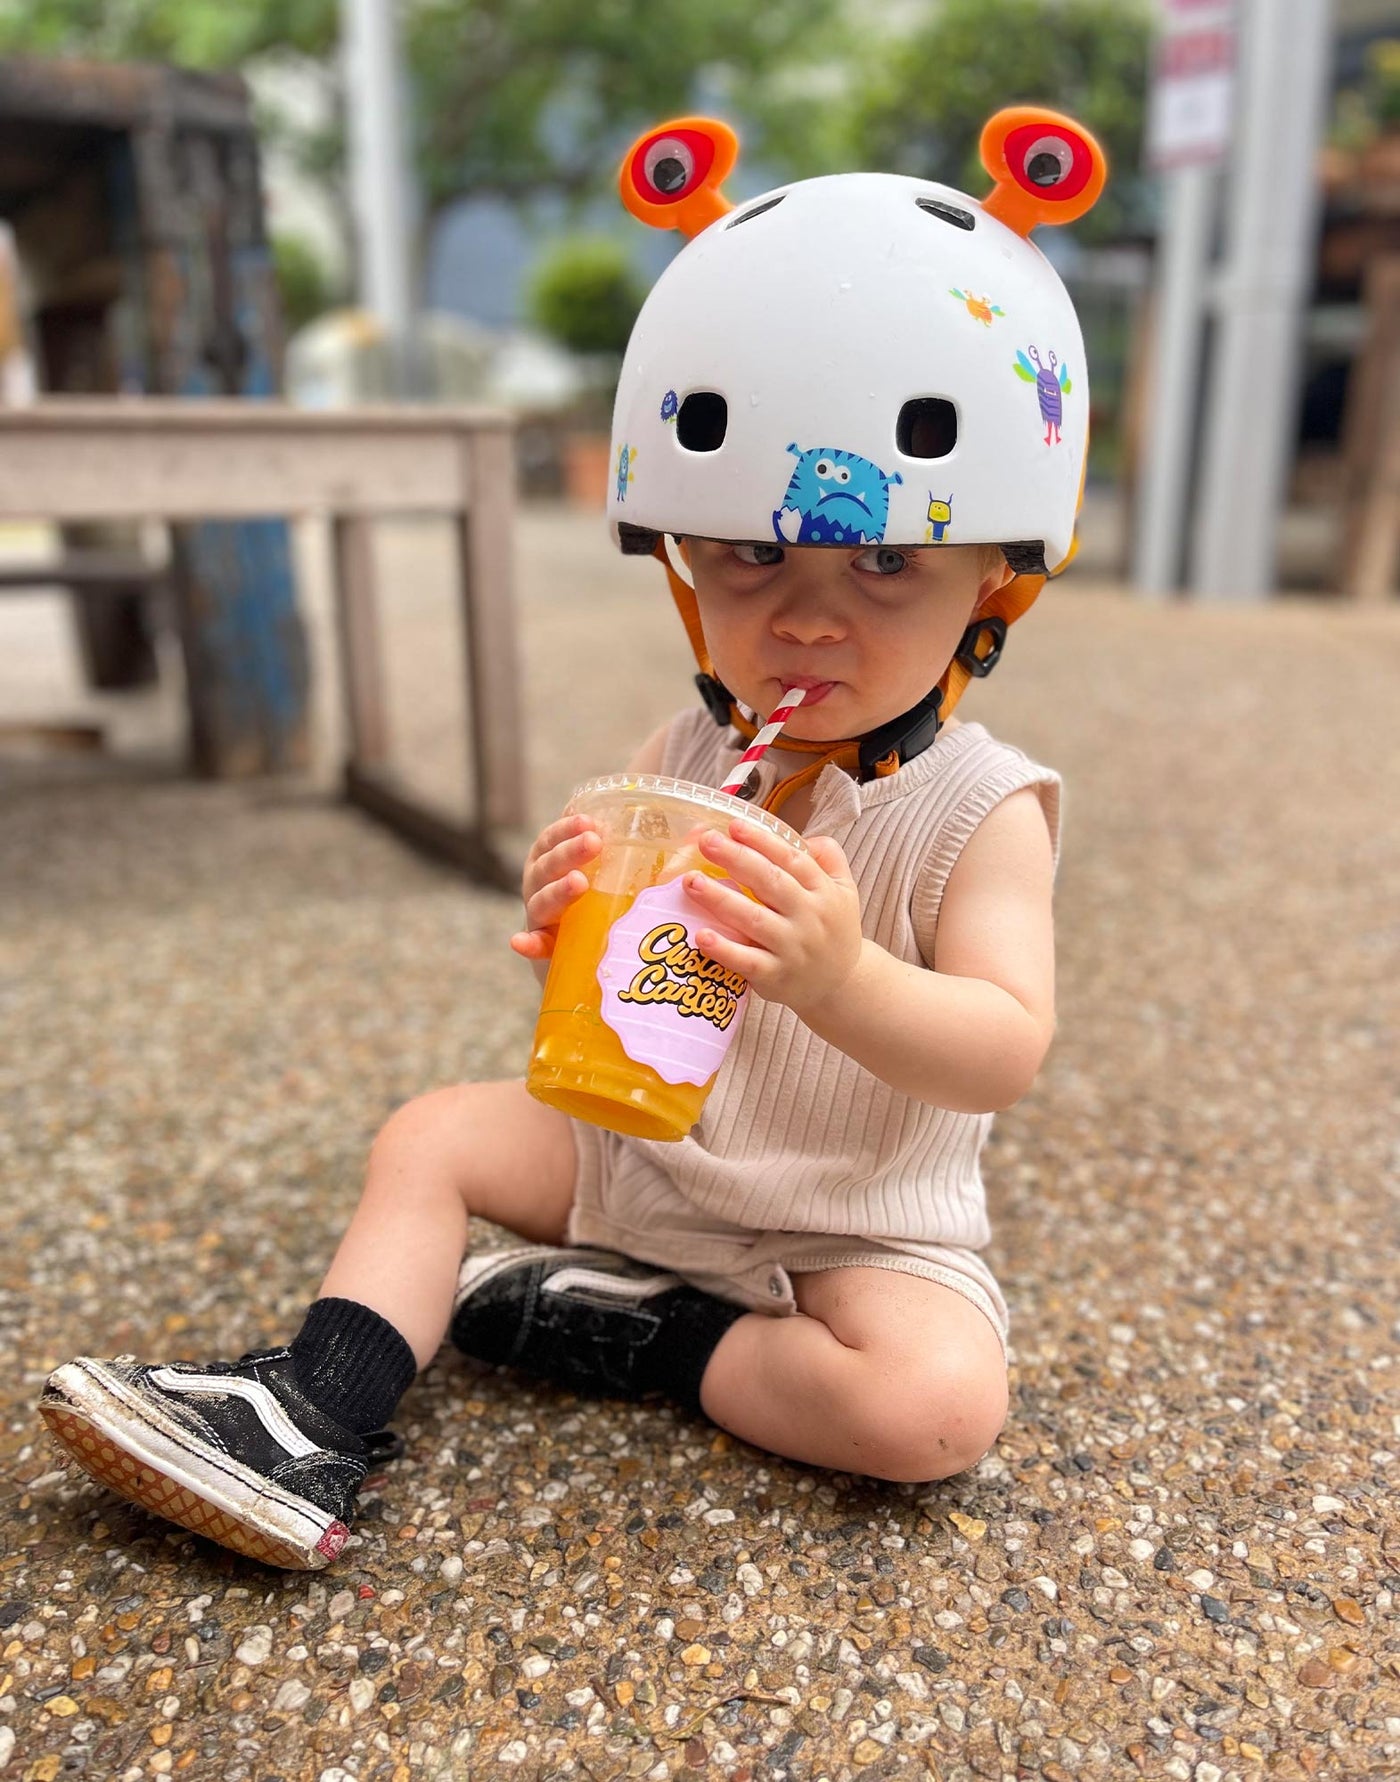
{"type": "Point", "coordinates": [861, 358]}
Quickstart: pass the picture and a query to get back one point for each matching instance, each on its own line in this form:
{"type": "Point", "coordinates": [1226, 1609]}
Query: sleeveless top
{"type": "Point", "coordinates": [796, 1136]}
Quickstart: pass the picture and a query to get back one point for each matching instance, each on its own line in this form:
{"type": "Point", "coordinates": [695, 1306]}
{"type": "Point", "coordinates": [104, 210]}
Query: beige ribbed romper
{"type": "Point", "coordinates": [802, 1159]}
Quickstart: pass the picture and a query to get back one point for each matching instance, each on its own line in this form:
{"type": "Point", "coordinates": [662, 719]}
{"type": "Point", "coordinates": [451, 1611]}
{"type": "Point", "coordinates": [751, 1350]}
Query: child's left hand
{"type": "Point", "coordinates": [802, 940]}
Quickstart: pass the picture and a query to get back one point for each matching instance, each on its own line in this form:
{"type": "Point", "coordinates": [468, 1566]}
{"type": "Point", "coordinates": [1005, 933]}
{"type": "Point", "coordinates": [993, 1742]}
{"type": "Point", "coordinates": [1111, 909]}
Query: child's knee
{"type": "Point", "coordinates": [932, 1419]}
{"type": "Point", "coordinates": [417, 1128]}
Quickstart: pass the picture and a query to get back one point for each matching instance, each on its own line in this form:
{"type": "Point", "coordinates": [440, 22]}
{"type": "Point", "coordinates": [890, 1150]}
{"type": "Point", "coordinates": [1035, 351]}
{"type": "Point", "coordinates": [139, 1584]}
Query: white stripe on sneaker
{"type": "Point", "coordinates": [264, 1403]}
{"type": "Point", "coordinates": [625, 1288]}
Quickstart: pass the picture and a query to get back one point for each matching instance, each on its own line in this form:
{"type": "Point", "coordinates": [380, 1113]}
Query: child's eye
{"type": "Point", "coordinates": [759, 556]}
{"type": "Point", "coordinates": [881, 560]}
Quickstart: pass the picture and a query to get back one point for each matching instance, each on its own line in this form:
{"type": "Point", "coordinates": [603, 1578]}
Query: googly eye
{"type": "Point", "coordinates": [671, 164]}
{"type": "Point", "coordinates": [669, 167]}
{"type": "Point", "coordinates": [1051, 164]}
{"type": "Point", "coordinates": [1046, 168]}
{"type": "Point", "coordinates": [1049, 161]}
{"type": "Point", "coordinates": [670, 178]}
{"type": "Point", "coordinates": [824, 467]}
{"type": "Point", "coordinates": [843, 475]}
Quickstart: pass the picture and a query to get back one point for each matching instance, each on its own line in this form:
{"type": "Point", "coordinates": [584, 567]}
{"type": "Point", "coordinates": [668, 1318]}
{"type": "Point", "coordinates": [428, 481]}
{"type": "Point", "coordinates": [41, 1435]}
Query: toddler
{"type": "Point", "coordinates": [852, 423]}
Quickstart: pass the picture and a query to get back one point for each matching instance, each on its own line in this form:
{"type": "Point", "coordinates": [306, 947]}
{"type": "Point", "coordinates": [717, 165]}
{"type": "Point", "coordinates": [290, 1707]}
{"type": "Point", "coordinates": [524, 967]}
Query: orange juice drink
{"type": "Point", "coordinates": [636, 1020]}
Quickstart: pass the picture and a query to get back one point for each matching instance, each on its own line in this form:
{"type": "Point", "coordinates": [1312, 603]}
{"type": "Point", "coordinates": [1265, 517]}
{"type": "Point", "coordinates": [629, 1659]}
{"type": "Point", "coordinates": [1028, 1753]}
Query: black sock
{"type": "Point", "coordinates": [352, 1364]}
{"type": "Point", "coordinates": [674, 1361]}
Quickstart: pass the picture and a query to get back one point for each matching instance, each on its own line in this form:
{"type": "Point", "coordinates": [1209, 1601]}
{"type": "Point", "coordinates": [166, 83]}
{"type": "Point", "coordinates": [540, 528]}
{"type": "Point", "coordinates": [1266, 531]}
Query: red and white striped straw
{"type": "Point", "coordinates": [759, 746]}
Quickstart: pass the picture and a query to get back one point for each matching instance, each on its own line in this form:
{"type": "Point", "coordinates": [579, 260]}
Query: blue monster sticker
{"type": "Point", "coordinates": [626, 459]}
{"type": "Point", "coordinates": [670, 406]}
{"type": "Point", "coordinates": [834, 497]}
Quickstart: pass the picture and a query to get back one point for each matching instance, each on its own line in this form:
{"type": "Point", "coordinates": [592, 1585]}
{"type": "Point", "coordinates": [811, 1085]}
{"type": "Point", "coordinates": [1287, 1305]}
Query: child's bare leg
{"type": "Point", "coordinates": [879, 1372]}
{"type": "Point", "coordinates": [485, 1148]}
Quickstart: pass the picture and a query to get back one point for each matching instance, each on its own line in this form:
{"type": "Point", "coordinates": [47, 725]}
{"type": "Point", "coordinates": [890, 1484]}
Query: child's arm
{"type": "Point", "coordinates": [647, 759]}
{"type": "Point", "coordinates": [970, 1034]}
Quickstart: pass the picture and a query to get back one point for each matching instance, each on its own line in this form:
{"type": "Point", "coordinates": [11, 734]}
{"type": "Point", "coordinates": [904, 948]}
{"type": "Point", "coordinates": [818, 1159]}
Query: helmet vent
{"type": "Point", "coordinates": [927, 427]}
{"type": "Point", "coordinates": [947, 213]}
{"type": "Point", "coordinates": [757, 210]}
{"type": "Point", "coordinates": [702, 421]}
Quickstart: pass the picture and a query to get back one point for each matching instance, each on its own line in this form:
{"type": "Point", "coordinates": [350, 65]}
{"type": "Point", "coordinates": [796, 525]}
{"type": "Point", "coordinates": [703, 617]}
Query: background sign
{"type": "Point", "coordinates": [1191, 104]}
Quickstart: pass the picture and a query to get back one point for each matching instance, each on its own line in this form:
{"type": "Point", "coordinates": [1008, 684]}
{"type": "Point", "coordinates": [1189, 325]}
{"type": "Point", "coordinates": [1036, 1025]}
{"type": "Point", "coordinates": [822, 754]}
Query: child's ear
{"type": "Point", "coordinates": [996, 573]}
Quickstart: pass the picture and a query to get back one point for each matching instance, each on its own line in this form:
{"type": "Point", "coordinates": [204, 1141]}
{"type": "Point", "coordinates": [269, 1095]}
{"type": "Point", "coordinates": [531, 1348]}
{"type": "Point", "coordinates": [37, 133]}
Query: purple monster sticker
{"type": "Point", "coordinates": [1052, 385]}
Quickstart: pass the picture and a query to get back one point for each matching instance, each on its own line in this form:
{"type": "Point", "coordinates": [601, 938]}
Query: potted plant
{"type": "Point", "coordinates": [585, 294]}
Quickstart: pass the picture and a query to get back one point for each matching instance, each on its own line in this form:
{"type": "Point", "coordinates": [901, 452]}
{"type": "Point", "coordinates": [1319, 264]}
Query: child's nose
{"type": "Point", "coordinates": [808, 617]}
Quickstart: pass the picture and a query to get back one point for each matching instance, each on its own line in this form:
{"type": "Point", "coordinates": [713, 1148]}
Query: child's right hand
{"type": "Point", "coordinates": [552, 881]}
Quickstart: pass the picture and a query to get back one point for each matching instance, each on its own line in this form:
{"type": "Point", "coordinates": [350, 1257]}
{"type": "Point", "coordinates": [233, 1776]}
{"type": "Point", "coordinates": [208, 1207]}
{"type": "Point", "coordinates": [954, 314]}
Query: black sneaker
{"type": "Point", "coordinates": [581, 1318]}
{"type": "Point", "coordinates": [232, 1450]}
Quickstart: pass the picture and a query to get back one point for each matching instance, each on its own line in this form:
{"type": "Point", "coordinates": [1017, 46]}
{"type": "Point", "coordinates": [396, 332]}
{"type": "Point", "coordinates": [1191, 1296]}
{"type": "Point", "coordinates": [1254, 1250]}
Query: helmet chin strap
{"type": "Point", "coordinates": [884, 750]}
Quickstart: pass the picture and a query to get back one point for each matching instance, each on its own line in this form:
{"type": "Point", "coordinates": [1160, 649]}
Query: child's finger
{"type": "Point", "coordinates": [559, 830]}
{"type": "Point", "coordinates": [557, 864]}
{"type": "Point", "coordinates": [544, 909]}
{"type": "Point", "coordinates": [775, 850]}
{"type": "Point", "coordinates": [746, 919]}
{"type": "Point", "coordinates": [746, 866]}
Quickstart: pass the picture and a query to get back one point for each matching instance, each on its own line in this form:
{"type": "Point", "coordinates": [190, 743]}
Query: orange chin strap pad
{"type": "Point", "coordinates": [1008, 603]}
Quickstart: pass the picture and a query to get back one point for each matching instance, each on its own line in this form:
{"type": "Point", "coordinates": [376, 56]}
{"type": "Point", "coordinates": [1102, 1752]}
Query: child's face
{"type": "Point", "coordinates": [880, 623]}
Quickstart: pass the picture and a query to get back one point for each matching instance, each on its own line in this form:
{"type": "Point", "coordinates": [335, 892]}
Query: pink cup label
{"type": "Point", "coordinates": [672, 1007]}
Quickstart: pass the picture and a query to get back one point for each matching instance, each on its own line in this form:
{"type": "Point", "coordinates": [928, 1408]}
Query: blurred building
{"type": "Point", "coordinates": [134, 198]}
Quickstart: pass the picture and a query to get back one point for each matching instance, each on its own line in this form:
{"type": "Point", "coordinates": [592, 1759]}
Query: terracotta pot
{"type": "Point", "coordinates": [587, 467]}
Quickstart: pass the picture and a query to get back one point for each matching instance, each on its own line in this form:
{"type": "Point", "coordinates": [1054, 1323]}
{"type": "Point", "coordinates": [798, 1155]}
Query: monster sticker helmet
{"type": "Point", "coordinates": [819, 365]}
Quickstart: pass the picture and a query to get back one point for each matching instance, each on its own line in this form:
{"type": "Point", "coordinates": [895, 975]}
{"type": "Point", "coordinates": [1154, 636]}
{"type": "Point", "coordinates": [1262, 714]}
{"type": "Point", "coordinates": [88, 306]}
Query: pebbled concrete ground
{"type": "Point", "coordinates": [1181, 1560]}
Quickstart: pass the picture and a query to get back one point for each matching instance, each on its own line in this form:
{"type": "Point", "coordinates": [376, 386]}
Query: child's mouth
{"type": "Point", "coordinates": [813, 692]}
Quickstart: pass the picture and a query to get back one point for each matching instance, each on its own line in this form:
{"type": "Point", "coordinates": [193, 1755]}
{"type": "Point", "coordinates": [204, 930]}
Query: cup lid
{"type": "Point", "coordinates": [710, 798]}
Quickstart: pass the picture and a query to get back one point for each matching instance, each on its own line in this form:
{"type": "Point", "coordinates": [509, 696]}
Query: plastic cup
{"type": "Point", "coordinates": [636, 1020]}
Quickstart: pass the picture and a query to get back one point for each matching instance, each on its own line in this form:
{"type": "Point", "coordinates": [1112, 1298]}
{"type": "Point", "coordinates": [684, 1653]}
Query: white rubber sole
{"type": "Point", "coordinates": [126, 1443]}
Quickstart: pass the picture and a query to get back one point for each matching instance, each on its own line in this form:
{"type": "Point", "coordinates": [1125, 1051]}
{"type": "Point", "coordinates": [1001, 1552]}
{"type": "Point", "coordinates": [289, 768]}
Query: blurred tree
{"type": "Point", "coordinates": [585, 294]}
{"type": "Point", "coordinates": [523, 96]}
{"type": "Point", "coordinates": [919, 108]}
{"type": "Point", "coordinates": [194, 33]}
{"type": "Point", "coordinates": [303, 280]}
{"type": "Point", "coordinates": [513, 97]}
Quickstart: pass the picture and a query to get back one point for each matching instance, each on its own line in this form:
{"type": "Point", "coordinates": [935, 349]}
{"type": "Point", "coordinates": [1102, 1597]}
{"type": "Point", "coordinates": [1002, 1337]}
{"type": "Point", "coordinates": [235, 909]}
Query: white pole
{"type": "Point", "coordinates": [1271, 233]}
{"type": "Point", "coordinates": [380, 180]}
{"type": "Point", "coordinates": [1159, 557]}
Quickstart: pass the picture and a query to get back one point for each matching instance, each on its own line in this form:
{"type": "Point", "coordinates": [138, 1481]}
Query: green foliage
{"type": "Point", "coordinates": [193, 33]}
{"type": "Point", "coordinates": [519, 96]}
{"type": "Point", "coordinates": [514, 97]}
{"type": "Point", "coordinates": [303, 281]}
{"type": "Point", "coordinates": [1362, 113]}
{"type": "Point", "coordinates": [1383, 82]}
{"type": "Point", "coordinates": [585, 295]}
{"type": "Point", "coordinates": [920, 107]}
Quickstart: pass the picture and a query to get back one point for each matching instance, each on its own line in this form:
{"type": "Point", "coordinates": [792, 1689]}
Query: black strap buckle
{"type": "Point", "coordinates": [910, 733]}
{"type": "Point", "coordinates": [717, 698]}
{"type": "Point", "coordinates": [966, 652]}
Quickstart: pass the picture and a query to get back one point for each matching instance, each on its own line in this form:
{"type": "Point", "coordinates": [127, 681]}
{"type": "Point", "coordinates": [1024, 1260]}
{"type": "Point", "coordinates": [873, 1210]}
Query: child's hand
{"type": "Point", "coordinates": [802, 940]}
{"type": "Point", "coordinates": [551, 882]}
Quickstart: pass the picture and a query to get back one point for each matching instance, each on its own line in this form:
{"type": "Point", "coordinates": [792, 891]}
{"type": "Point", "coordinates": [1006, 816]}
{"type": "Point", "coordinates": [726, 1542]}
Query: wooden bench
{"type": "Point", "coordinates": [73, 459]}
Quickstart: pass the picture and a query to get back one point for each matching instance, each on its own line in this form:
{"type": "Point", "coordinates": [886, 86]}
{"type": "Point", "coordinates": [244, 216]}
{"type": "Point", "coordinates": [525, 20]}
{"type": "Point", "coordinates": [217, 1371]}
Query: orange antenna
{"type": "Point", "coordinates": [670, 177]}
{"type": "Point", "coordinates": [1047, 168]}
